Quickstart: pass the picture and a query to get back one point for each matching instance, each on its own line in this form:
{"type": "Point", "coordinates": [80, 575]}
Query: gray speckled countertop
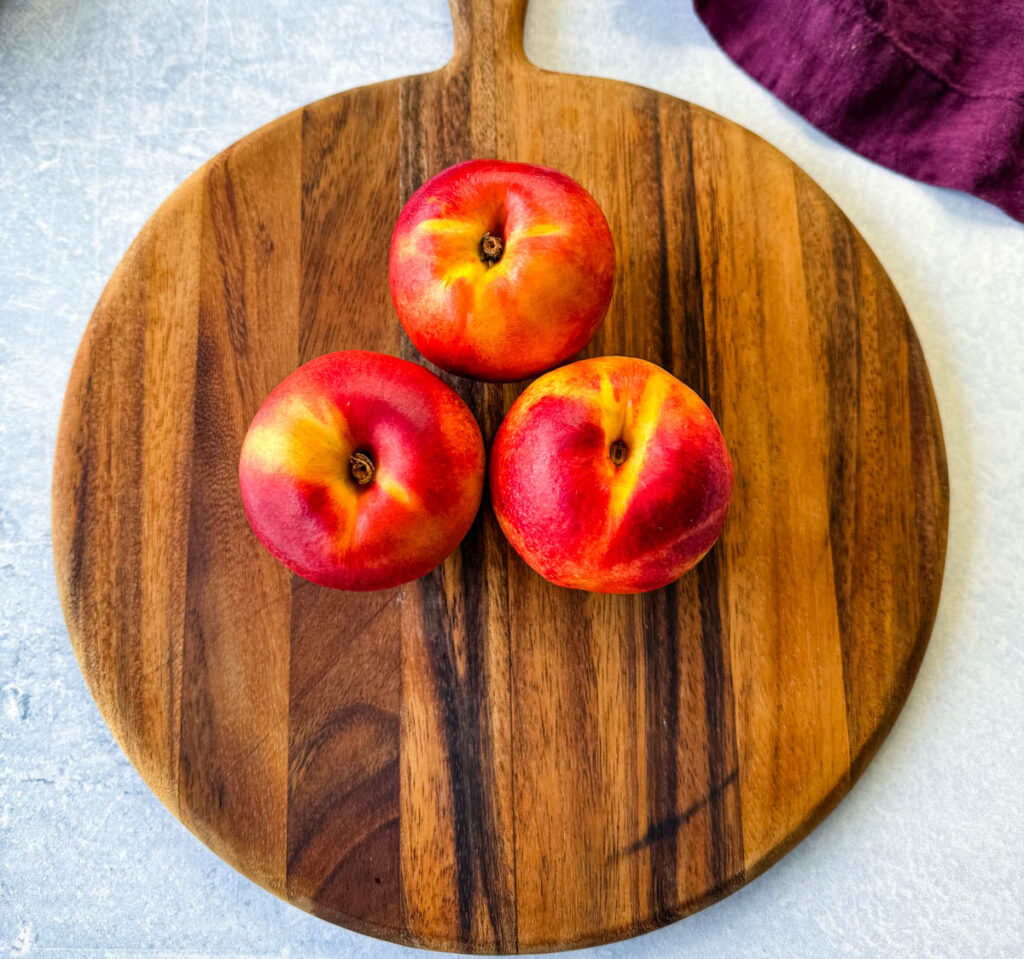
{"type": "Point", "coordinates": [105, 105]}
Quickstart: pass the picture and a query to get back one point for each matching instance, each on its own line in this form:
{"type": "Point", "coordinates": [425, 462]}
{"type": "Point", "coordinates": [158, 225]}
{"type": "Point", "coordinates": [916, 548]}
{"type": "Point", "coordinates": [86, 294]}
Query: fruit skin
{"type": "Point", "coordinates": [577, 518]}
{"type": "Point", "coordinates": [302, 500]}
{"type": "Point", "coordinates": [537, 306]}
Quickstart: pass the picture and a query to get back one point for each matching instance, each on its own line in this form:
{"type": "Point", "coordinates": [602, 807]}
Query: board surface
{"type": "Point", "coordinates": [480, 761]}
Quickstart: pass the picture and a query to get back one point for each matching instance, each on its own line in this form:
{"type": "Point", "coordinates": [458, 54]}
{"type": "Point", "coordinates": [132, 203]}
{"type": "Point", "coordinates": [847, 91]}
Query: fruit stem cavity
{"type": "Point", "coordinates": [618, 452]}
{"type": "Point", "coordinates": [491, 248]}
{"type": "Point", "coordinates": [361, 467]}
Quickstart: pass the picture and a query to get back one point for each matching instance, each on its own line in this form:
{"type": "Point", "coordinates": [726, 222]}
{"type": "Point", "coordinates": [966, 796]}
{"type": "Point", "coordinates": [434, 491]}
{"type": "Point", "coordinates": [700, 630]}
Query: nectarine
{"type": "Point", "coordinates": [361, 471]}
{"type": "Point", "coordinates": [610, 475]}
{"type": "Point", "coordinates": [501, 270]}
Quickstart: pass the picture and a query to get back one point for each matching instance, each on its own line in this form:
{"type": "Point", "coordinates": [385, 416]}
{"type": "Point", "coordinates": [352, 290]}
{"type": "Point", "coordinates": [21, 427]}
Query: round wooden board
{"type": "Point", "coordinates": [480, 761]}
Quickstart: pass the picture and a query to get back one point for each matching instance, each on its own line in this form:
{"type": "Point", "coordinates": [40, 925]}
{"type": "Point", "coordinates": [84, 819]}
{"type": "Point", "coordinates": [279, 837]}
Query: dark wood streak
{"type": "Point", "coordinates": [669, 827]}
{"type": "Point", "coordinates": [667, 320]}
{"type": "Point", "coordinates": [718, 722]}
{"type": "Point", "coordinates": [661, 656]}
{"type": "Point", "coordinates": [482, 783]}
{"type": "Point", "coordinates": [514, 945]}
{"type": "Point", "coordinates": [719, 718]}
{"type": "Point", "coordinates": [460, 695]}
{"type": "Point", "coordinates": [438, 630]}
{"type": "Point", "coordinates": [695, 350]}
{"type": "Point", "coordinates": [474, 782]}
{"type": "Point", "coordinates": [197, 737]}
{"type": "Point", "coordinates": [411, 173]}
{"type": "Point", "coordinates": [844, 388]}
{"type": "Point", "coordinates": [844, 364]}
{"type": "Point", "coordinates": [319, 217]}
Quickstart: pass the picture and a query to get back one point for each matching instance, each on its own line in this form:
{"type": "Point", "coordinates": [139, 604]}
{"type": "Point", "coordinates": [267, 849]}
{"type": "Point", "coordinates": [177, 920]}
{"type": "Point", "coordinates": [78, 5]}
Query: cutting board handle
{"type": "Point", "coordinates": [488, 30]}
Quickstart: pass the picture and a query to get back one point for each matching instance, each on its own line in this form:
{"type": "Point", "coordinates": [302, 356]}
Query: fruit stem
{"type": "Point", "coordinates": [618, 452]}
{"type": "Point", "coordinates": [491, 248]}
{"type": "Point", "coordinates": [361, 467]}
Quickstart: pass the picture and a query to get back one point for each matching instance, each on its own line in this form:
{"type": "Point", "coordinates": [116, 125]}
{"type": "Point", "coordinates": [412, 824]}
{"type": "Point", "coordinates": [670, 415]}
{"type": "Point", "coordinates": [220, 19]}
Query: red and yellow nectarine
{"type": "Point", "coordinates": [501, 270]}
{"type": "Point", "coordinates": [610, 475]}
{"type": "Point", "coordinates": [361, 471]}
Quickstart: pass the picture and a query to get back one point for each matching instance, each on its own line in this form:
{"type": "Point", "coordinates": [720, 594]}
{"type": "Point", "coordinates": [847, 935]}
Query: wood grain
{"type": "Point", "coordinates": [479, 760]}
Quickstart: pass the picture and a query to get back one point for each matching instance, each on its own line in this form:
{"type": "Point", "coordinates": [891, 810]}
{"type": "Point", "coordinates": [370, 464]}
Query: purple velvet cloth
{"type": "Point", "coordinates": [930, 88]}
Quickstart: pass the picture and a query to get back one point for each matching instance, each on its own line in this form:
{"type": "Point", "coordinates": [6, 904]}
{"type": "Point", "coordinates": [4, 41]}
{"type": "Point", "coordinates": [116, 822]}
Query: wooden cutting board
{"type": "Point", "coordinates": [480, 761]}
